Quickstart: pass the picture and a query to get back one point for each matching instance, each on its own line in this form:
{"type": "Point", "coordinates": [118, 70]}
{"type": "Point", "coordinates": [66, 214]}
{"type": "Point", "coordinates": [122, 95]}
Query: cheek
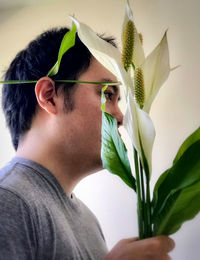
{"type": "Point", "coordinates": [92, 128]}
{"type": "Point", "coordinates": [90, 114]}
{"type": "Point", "coordinates": [93, 122]}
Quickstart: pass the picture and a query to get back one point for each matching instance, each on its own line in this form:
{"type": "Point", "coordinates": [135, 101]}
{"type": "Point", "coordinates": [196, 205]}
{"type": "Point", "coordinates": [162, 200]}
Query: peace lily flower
{"type": "Point", "coordinates": [110, 58]}
{"type": "Point", "coordinates": [150, 72]}
{"type": "Point", "coordinates": [149, 75]}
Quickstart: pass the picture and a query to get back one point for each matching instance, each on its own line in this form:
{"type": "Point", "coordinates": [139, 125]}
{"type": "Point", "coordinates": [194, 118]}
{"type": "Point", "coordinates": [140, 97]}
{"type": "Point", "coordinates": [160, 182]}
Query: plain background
{"type": "Point", "coordinates": [175, 112]}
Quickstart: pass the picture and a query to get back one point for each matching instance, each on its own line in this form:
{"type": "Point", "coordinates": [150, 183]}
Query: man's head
{"type": "Point", "coordinates": [79, 132]}
{"type": "Point", "coordinates": [19, 101]}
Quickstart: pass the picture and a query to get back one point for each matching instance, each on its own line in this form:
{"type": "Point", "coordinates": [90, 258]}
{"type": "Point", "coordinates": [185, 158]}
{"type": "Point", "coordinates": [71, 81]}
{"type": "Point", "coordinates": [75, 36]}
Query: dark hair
{"type": "Point", "coordinates": [18, 100]}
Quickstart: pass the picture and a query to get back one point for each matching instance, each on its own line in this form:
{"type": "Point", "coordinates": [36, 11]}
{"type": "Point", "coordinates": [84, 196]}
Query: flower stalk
{"type": "Point", "coordinates": [62, 81]}
{"type": "Point", "coordinates": [140, 204]}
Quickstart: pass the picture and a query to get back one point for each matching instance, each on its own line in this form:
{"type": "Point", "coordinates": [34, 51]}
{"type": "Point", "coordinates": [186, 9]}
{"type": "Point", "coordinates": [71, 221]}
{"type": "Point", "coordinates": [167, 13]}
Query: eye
{"type": "Point", "coordinates": [108, 95]}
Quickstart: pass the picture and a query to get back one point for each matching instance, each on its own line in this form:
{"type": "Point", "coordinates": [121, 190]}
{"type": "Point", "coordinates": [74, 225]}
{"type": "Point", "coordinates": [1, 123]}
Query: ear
{"type": "Point", "coordinates": [46, 95]}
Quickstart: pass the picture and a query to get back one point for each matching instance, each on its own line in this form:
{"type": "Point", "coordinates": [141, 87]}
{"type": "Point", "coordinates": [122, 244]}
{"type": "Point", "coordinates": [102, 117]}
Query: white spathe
{"type": "Point", "coordinates": [138, 52]}
{"type": "Point", "coordinates": [141, 130]}
{"type": "Point", "coordinates": [108, 55]}
{"type": "Point", "coordinates": [156, 70]}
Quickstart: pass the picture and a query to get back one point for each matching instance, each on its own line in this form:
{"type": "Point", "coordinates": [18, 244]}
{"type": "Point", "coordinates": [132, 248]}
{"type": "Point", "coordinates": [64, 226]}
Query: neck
{"type": "Point", "coordinates": [68, 168]}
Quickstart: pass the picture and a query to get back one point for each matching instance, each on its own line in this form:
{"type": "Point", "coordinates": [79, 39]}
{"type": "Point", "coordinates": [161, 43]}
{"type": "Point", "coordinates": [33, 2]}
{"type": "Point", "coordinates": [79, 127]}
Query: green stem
{"type": "Point", "coordinates": [91, 82]}
{"type": "Point", "coordinates": [145, 216]}
{"type": "Point", "coordinates": [146, 201]}
{"type": "Point", "coordinates": [139, 201]}
{"type": "Point", "coordinates": [148, 207]}
{"type": "Point", "coordinates": [142, 181]}
{"type": "Point", "coordinates": [17, 81]}
{"type": "Point", "coordinates": [60, 80]}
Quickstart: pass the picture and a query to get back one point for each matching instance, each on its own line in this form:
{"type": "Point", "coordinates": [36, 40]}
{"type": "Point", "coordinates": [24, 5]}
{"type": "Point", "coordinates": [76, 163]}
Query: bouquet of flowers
{"type": "Point", "coordinates": [176, 193]}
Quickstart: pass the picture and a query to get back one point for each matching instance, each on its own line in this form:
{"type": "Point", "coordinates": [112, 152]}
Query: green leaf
{"type": "Point", "coordinates": [184, 158]}
{"type": "Point", "coordinates": [158, 184]}
{"type": "Point", "coordinates": [175, 192]}
{"type": "Point", "coordinates": [181, 206]}
{"type": "Point", "coordinates": [68, 41]}
{"type": "Point", "coordinates": [189, 141]}
{"type": "Point", "coordinates": [103, 98]}
{"type": "Point", "coordinates": [113, 151]}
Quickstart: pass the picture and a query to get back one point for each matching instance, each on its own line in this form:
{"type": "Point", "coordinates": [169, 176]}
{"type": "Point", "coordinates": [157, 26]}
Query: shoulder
{"type": "Point", "coordinates": [88, 216]}
{"type": "Point", "coordinates": [10, 199]}
{"type": "Point", "coordinates": [23, 181]}
{"type": "Point", "coordinates": [14, 175]}
{"type": "Point", "coordinates": [19, 192]}
{"type": "Point", "coordinates": [13, 185]}
{"type": "Point", "coordinates": [17, 229]}
{"type": "Point", "coordinates": [14, 210]}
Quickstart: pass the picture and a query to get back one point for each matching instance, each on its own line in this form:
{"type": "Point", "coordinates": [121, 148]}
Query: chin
{"type": "Point", "coordinates": [97, 164]}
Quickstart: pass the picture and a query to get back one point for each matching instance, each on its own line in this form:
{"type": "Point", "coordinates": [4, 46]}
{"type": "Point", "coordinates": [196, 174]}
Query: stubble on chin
{"type": "Point", "coordinates": [97, 160]}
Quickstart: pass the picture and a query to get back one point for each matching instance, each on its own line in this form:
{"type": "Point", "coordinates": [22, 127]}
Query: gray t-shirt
{"type": "Point", "coordinates": [39, 221]}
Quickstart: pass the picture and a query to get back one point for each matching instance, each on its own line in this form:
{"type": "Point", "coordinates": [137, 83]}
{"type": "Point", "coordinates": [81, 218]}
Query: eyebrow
{"type": "Point", "coordinates": [108, 80]}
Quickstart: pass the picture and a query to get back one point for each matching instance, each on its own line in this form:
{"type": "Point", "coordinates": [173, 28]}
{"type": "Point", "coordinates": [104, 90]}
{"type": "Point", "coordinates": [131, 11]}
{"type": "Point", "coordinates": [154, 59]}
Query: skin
{"type": "Point", "coordinates": [68, 144]}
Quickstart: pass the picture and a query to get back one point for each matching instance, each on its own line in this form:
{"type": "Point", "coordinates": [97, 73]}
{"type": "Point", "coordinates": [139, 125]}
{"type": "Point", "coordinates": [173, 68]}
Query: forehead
{"type": "Point", "coordinates": [96, 69]}
{"type": "Point", "coordinates": [98, 73]}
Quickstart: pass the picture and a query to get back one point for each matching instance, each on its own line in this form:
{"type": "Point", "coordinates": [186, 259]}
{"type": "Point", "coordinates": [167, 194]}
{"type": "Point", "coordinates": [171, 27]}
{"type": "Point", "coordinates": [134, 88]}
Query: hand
{"type": "Point", "coordinates": [155, 248]}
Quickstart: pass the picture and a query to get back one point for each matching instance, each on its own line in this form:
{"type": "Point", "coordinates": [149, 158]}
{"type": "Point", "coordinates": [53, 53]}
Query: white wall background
{"type": "Point", "coordinates": [175, 112]}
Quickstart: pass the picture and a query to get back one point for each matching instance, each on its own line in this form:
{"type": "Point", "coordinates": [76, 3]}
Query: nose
{"type": "Point", "coordinates": [117, 113]}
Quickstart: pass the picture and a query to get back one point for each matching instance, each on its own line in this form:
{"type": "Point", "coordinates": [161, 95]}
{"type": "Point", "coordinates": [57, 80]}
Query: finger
{"type": "Point", "coordinates": [130, 240]}
{"type": "Point", "coordinates": [156, 246]}
{"type": "Point", "coordinates": [162, 245]}
{"type": "Point", "coordinates": [170, 244]}
{"type": "Point", "coordinates": [165, 257]}
{"type": "Point", "coordinates": [133, 239]}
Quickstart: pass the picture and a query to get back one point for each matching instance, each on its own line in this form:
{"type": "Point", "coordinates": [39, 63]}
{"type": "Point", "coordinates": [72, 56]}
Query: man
{"type": "Point", "coordinates": [56, 131]}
